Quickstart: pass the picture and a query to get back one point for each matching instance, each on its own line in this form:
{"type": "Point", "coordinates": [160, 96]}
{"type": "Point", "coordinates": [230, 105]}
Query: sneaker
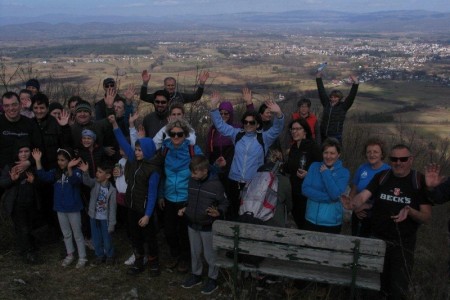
{"type": "Point", "coordinates": [67, 260]}
{"type": "Point", "coordinates": [130, 260]}
{"type": "Point", "coordinates": [183, 267]}
{"type": "Point", "coordinates": [81, 263]}
{"type": "Point", "coordinates": [192, 281]}
{"type": "Point", "coordinates": [154, 270]}
{"type": "Point", "coordinates": [209, 287]}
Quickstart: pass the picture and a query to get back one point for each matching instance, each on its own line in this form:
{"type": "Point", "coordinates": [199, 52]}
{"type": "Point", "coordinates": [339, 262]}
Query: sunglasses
{"type": "Point", "coordinates": [224, 114]}
{"type": "Point", "coordinates": [174, 134]}
{"type": "Point", "coordinates": [245, 122]}
{"type": "Point", "coordinates": [160, 102]}
{"type": "Point", "coordinates": [396, 159]}
{"type": "Point", "coordinates": [110, 85]}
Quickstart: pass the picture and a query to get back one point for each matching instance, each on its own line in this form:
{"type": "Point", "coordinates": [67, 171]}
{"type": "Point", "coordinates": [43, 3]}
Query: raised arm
{"type": "Point", "coordinates": [144, 88]}
{"type": "Point", "coordinates": [352, 95]}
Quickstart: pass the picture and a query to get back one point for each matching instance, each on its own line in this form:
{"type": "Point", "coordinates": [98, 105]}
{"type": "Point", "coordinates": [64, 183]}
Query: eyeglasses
{"type": "Point", "coordinates": [160, 102]}
{"type": "Point", "coordinates": [109, 85]}
{"type": "Point", "coordinates": [396, 159]}
{"type": "Point", "coordinates": [296, 128]}
{"type": "Point", "coordinates": [174, 134]}
{"type": "Point", "coordinates": [224, 113]}
{"type": "Point", "coordinates": [245, 122]}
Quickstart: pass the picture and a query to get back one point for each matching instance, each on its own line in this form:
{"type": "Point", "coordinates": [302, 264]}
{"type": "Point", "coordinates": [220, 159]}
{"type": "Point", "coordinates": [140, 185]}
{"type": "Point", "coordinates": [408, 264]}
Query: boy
{"type": "Point", "coordinates": [102, 211]}
{"type": "Point", "coordinates": [206, 202]}
{"type": "Point", "coordinates": [142, 180]}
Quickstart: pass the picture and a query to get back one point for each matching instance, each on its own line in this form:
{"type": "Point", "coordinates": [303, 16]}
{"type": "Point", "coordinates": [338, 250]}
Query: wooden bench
{"type": "Point", "coordinates": [298, 254]}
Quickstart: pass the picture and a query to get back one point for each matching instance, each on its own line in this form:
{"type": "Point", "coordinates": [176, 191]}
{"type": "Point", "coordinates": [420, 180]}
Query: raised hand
{"type": "Point", "coordinates": [247, 96]}
{"type": "Point", "coordinates": [146, 76]}
{"type": "Point", "coordinates": [132, 118]}
{"type": "Point", "coordinates": [112, 120]}
{"type": "Point", "coordinates": [274, 107]}
{"type": "Point", "coordinates": [215, 99]}
{"type": "Point", "coordinates": [30, 177]}
{"type": "Point", "coordinates": [63, 119]}
{"type": "Point", "coordinates": [83, 166]}
{"type": "Point", "coordinates": [204, 75]}
{"type": "Point", "coordinates": [37, 154]}
{"type": "Point", "coordinates": [354, 79]}
{"type": "Point", "coordinates": [73, 162]}
{"type": "Point", "coordinates": [432, 177]}
{"type": "Point", "coordinates": [110, 96]}
{"type": "Point", "coordinates": [130, 92]}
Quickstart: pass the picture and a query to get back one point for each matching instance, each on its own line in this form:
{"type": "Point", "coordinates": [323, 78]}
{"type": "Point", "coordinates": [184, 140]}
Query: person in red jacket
{"type": "Point", "coordinates": [303, 112]}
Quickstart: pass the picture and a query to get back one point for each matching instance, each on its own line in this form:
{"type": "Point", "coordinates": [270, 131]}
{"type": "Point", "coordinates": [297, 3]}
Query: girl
{"type": "Point", "coordinates": [66, 201]}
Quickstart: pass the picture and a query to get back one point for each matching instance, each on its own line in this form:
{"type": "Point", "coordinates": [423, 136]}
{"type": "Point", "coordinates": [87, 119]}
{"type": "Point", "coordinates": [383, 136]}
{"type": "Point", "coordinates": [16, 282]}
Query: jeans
{"type": "Point", "coordinates": [101, 238]}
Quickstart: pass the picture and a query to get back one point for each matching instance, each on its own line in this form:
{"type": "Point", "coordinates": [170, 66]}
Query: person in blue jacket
{"type": "Point", "coordinates": [175, 155]}
{"type": "Point", "coordinates": [251, 146]}
{"type": "Point", "coordinates": [67, 179]}
{"type": "Point", "coordinates": [324, 184]}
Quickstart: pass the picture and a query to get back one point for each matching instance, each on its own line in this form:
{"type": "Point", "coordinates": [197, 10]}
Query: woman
{"type": "Point", "coordinates": [175, 155]}
{"type": "Point", "coordinates": [374, 150]}
{"type": "Point", "coordinates": [250, 147]}
{"type": "Point", "coordinates": [303, 152]}
{"type": "Point", "coordinates": [323, 186]}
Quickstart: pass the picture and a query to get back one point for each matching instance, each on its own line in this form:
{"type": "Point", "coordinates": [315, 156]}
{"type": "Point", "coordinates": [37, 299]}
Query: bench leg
{"type": "Point", "coordinates": [235, 261]}
{"type": "Point", "coordinates": [354, 269]}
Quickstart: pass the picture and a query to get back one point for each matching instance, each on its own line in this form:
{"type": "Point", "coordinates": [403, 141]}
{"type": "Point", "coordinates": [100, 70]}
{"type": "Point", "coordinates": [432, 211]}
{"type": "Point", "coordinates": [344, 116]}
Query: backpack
{"type": "Point", "coordinates": [386, 174]}
{"type": "Point", "coordinates": [191, 151]}
{"type": "Point", "coordinates": [259, 196]}
{"type": "Point", "coordinates": [259, 137]}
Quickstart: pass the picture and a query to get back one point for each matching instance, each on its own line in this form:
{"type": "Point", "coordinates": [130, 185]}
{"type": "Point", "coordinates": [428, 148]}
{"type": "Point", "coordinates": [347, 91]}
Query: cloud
{"type": "Point", "coordinates": [166, 2]}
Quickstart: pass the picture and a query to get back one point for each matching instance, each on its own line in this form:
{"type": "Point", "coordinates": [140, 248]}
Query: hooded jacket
{"type": "Point", "coordinates": [141, 176]}
{"type": "Point", "coordinates": [324, 190]}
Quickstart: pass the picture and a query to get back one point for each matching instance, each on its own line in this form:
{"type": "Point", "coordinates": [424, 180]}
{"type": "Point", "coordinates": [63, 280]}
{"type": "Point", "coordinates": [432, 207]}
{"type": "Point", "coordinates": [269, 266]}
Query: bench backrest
{"type": "Point", "coordinates": [311, 249]}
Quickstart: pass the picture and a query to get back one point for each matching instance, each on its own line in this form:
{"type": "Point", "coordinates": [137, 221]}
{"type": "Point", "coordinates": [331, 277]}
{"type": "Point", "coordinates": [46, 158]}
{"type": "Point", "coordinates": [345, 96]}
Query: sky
{"type": "Point", "coordinates": [10, 8]}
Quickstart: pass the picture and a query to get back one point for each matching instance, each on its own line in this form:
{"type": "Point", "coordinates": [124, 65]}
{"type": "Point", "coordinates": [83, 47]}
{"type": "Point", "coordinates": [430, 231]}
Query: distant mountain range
{"type": "Point", "coordinates": [300, 20]}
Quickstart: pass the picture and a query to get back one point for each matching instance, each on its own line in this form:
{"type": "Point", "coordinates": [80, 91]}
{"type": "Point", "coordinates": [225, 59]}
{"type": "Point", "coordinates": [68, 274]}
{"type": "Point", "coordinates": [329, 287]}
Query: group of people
{"type": "Point", "coordinates": [95, 170]}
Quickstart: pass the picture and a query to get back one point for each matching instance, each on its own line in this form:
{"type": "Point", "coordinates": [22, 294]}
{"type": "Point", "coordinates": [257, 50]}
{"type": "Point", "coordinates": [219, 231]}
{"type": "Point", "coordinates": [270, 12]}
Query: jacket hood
{"type": "Point", "coordinates": [229, 108]}
{"type": "Point", "coordinates": [148, 147]}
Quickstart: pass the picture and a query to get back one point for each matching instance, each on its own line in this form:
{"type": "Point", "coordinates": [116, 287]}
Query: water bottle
{"type": "Point", "coordinates": [302, 162]}
{"type": "Point", "coordinates": [322, 66]}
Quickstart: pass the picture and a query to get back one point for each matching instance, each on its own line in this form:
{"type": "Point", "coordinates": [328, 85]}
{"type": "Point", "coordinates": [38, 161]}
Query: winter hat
{"type": "Point", "coordinates": [33, 82]}
{"type": "Point", "coordinates": [89, 133]}
{"type": "Point", "coordinates": [55, 105]}
{"type": "Point", "coordinates": [83, 106]}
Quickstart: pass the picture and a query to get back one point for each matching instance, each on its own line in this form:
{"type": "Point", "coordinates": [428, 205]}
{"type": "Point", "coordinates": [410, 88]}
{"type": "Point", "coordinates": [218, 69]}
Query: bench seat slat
{"type": "Point", "coordinates": [295, 270]}
{"type": "Point", "coordinates": [300, 237]}
{"type": "Point", "coordinates": [293, 253]}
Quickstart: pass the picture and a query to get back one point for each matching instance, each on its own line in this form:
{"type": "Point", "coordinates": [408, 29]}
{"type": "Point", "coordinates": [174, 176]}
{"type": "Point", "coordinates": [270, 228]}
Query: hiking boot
{"type": "Point", "coordinates": [183, 267]}
{"type": "Point", "coordinates": [154, 269]}
{"type": "Point", "coordinates": [209, 287]}
{"type": "Point", "coordinates": [130, 260]}
{"type": "Point", "coordinates": [67, 261]}
{"type": "Point", "coordinates": [191, 281]}
{"type": "Point", "coordinates": [81, 263]}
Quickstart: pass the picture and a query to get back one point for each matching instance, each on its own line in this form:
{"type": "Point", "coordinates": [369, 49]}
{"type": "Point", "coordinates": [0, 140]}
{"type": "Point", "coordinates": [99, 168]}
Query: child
{"type": "Point", "coordinates": [66, 201]}
{"type": "Point", "coordinates": [102, 211]}
{"type": "Point", "coordinates": [206, 202]}
{"type": "Point", "coordinates": [20, 201]}
{"type": "Point", "coordinates": [142, 188]}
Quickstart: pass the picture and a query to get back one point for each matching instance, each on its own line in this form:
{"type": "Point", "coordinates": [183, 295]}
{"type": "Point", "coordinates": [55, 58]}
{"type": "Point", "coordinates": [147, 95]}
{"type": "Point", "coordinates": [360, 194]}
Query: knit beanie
{"type": "Point", "coordinates": [33, 82]}
{"type": "Point", "coordinates": [83, 106]}
{"type": "Point", "coordinates": [89, 133]}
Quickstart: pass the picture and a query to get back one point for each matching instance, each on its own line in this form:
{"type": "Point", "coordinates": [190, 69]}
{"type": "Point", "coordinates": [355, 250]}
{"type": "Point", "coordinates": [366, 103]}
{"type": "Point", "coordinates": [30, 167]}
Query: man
{"type": "Point", "coordinates": [170, 85]}
{"type": "Point", "coordinates": [15, 127]}
{"type": "Point", "coordinates": [119, 112]}
{"type": "Point", "coordinates": [303, 112]}
{"type": "Point", "coordinates": [100, 106]}
{"type": "Point", "coordinates": [334, 108]}
{"type": "Point", "coordinates": [156, 120]}
{"type": "Point", "coordinates": [400, 206]}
